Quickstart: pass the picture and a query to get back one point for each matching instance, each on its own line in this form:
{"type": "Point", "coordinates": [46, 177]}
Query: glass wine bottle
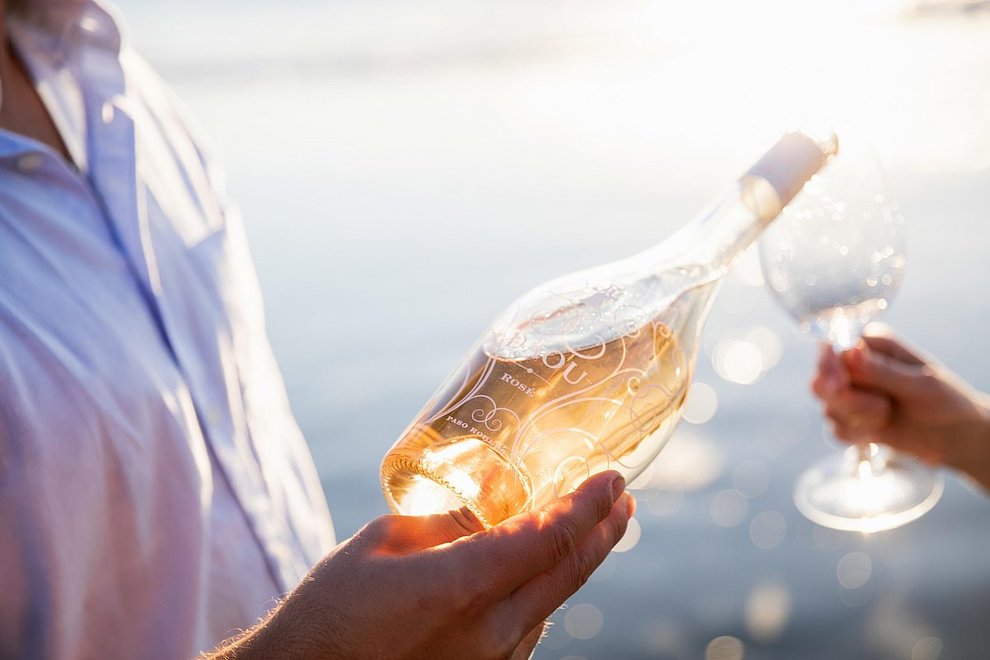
{"type": "Point", "coordinates": [589, 371]}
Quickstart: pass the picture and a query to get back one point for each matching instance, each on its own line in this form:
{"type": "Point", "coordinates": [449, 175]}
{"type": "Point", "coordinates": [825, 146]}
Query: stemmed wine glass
{"type": "Point", "coordinates": [833, 260]}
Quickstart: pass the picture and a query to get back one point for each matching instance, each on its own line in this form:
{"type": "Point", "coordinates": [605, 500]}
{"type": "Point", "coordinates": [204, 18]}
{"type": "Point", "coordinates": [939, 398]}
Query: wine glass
{"type": "Point", "coordinates": [833, 260]}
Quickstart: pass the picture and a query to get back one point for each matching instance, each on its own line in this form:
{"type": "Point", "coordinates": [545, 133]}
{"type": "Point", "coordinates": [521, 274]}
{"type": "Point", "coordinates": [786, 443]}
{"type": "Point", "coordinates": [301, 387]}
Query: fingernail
{"type": "Point", "coordinates": [618, 487]}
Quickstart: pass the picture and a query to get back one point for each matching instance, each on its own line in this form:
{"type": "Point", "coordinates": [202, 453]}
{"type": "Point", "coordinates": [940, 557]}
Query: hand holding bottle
{"type": "Point", "coordinates": [440, 586]}
{"type": "Point", "coordinates": [882, 390]}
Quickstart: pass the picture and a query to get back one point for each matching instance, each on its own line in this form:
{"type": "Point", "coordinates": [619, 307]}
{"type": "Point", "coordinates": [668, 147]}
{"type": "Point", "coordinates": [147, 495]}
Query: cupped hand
{"type": "Point", "coordinates": [441, 586]}
{"type": "Point", "coordinates": [881, 390]}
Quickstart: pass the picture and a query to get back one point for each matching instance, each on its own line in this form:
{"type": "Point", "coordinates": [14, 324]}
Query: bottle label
{"type": "Point", "coordinates": [566, 414]}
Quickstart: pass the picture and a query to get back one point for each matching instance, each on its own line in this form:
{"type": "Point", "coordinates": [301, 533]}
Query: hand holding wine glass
{"type": "Point", "coordinates": [884, 390]}
{"type": "Point", "coordinates": [834, 261]}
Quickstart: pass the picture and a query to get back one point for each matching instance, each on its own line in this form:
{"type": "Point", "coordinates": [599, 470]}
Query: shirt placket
{"type": "Point", "coordinates": [116, 181]}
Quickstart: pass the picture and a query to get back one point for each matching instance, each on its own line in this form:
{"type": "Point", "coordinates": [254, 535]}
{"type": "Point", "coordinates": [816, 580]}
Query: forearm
{"type": "Point", "coordinates": [256, 643]}
{"type": "Point", "coordinates": [971, 453]}
{"type": "Point", "coordinates": [303, 626]}
{"type": "Point", "coordinates": [246, 646]}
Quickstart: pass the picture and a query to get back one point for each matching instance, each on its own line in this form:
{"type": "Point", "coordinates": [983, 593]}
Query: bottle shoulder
{"type": "Point", "coordinates": [595, 306]}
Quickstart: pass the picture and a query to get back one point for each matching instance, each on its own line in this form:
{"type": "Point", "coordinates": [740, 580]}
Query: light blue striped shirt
{"type": "Point", "coordinates": [155, 491]}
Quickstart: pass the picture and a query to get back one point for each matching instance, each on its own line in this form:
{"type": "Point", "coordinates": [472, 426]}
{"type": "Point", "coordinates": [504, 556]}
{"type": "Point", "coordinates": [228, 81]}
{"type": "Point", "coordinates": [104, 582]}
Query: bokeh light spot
{"type": "Point", "coordinates": [701, 404]}
{"type": "Point", "coordinates": [630, 538]}
{"type": "Point", "coordinates": [729, 508]}
{"type": "Point", "coordinates": [768, 609]}
{"type": "Point", "coordinates": [767, 530]}
{"type": "Point", "coordinates": [738, 361]}
{"type": "Point", "coordinates": [854, 570]}
{"type": "Point", "coordinates": [662, 638]}
{"type": "Point", "coordinates": [769, 344]}
{"type": "Point", "coordinates": [927, 648]}
{"type": "Point", "coordinates": [724, 648]}
{"type": "Point", "coordinates": [583, 621]}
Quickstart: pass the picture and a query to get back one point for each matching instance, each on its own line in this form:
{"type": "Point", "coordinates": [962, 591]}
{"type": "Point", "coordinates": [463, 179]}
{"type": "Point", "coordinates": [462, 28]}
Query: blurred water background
{"type": "Point", "coordinates": [408, 168]}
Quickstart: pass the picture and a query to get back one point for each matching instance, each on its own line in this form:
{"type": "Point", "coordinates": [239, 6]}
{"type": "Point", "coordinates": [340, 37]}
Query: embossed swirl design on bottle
{"type": "Point", "coordinates": [523, 430]}
{"type": "Point", "coordinates": [587, 372]}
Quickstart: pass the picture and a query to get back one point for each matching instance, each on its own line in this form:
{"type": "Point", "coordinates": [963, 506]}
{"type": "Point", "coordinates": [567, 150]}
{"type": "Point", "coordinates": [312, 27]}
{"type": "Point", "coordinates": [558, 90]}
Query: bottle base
{"type": "Point", "coordinates": [434, 475]}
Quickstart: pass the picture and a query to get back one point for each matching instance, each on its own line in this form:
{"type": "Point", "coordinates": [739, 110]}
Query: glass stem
{"type": "Point", "coordinates": [865, 467]}
{"type": "Point", "coordinates": [864, 464]}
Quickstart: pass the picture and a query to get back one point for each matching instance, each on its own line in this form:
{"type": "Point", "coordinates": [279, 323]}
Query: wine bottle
{"type": "Point", "coordinates": [589, 371]}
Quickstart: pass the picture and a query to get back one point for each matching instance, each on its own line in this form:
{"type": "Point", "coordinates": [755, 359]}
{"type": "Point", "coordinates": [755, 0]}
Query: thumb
{"type": "Point", "coordinates": [411, 533]}
{"type": "Point", "coordinates": [874, 370]}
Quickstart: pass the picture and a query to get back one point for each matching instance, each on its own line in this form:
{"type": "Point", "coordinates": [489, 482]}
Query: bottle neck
{"type": "Point", "coordinates": [731, 224]}
{"type": "Point", "coordinates": [727, 227]}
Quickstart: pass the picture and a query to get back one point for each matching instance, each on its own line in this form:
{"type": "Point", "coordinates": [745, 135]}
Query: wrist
{"type": "Point", "coordinates": [248, 646]}
{"type": "Point", "coordinates": [258, 643]}
{"type": "Point", "coordinates": [978, 459]}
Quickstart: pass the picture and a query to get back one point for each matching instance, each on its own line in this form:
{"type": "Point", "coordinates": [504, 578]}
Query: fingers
{"type": "Point", "coordinates": [831, 376]}
{"type": "Point", "coordinates": [538, 598]}
{"type": "Point", "coordinates": [402, 534]}
{"type": "Point", "coordinates": [859, 411]}
{"type": "Point", "coordinates": [878, 371]}
{"type": "Point", "coordinates": [856, 413]}
{"type": "Point", "coordinates": [880, 362]}
{"type": "Point", "coordinates": [880, 338]}
{"type": "Point", "coordinates": [512, 553]}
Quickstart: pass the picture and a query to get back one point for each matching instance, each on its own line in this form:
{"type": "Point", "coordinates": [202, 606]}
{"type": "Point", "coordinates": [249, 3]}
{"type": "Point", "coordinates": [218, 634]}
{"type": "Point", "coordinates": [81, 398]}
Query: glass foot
{"type": "Point", "coordinates": [844, 492]}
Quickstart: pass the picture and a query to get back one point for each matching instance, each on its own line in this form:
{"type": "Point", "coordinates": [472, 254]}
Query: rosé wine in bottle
{"type": "Point", "coordinates": [589, 371]}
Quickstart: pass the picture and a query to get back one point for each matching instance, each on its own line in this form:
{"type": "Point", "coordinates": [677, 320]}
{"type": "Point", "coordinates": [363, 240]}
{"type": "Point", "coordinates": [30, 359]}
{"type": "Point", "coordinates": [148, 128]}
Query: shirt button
{"type": "Point", "coordinates": [29, 163]}
{"type": "Point", "coordinates": [107, 112]}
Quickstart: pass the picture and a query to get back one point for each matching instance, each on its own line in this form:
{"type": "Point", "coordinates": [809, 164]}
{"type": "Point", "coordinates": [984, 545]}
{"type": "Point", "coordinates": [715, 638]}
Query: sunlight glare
{"type": "Point", "coordinates": [690, 461]}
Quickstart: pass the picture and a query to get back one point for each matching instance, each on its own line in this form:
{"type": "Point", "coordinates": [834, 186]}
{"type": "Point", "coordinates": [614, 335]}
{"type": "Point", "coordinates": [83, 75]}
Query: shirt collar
{"type": "Point", "coordinates": [70, 24]}
{"type": "Point", "coordinates": [50, 35]}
